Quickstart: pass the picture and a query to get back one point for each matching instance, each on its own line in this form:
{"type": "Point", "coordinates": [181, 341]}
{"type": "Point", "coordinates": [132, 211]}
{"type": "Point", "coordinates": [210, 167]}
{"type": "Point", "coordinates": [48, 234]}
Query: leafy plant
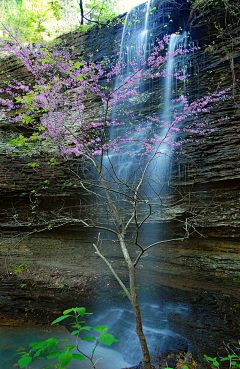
{"type": "Point", "coordinates": [30, 20]}
{"type": "Point", "coordinates": [223, 15]}
{"type": "Point", "coordinates": [234, 361]}
{"type": "Point", "coordinates": [49, 349]}
{"type": "Point", "coordinates": [20, 267]}
{"type": "Point", "coordinates": [123, 293]}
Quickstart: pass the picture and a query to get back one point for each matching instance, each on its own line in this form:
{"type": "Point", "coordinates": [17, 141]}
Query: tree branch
{"type": "Point", "coordinates": [98, 252]}
{"type": "Point", "coordinates": [154, 244]}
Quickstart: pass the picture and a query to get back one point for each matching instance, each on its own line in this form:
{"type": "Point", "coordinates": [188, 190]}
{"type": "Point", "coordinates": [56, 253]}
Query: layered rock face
{"type": "Point", "coordinates": [58, 267]}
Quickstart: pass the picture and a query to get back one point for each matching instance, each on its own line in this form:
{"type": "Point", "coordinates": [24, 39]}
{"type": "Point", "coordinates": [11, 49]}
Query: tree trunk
{"type": "Point", "coordinates": [81, 11]}
{"type": "Point", "coordinates": [138, 320]}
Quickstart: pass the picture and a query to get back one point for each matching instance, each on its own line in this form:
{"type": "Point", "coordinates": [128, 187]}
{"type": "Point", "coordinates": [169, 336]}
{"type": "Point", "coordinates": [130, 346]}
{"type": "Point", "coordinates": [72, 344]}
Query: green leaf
{"type": "Point", "coordinates": [215, 363]}
{"type": "Point", "coordinates": [107, 339]}
{"type": "Point", "coordinates": [77, 326]}
{"type": "Point", "coordinates": [80, 77]}
{"type": "Point", "coordinates": [185, 367]}
{"type": "Point", "coordinates": [210, 358]}
{"type": "Point", "coordinates": [51, 343]}
{"type": "Point", "coordinates": [39, 351]}
{"type": "Point", "coordinates": [68, 348]}
{"type": "Point", "coordinates": [89, 338]}
{"type": "Point", "coordinates": [24, 361]}
{"type": "Point", "coordinates": [78, 65]}
{"type": "Point", "coordinates": [53, 355]}
{"type": "Point", "coordinates": [100, 328]}
{"type": "Point", "coordinates": [65, 358]}
{"type": "Point", "coordinates": [60, 319]}
{"type": "Point", "coordinates": [74, 332]}
{"type": "Point", "coordinates": [69, 310]}
{"type": "Point", "coordinates": [78, 357]}
{"type": "Point", "coordinates": [81, 311]}
{"type": "Point", "coordinates": [37, 345]}
{"type": "Point", "coordinates": [87, 328]}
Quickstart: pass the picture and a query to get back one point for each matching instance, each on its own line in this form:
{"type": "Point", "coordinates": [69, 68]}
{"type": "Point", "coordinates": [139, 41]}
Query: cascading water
{"type": "Point", "coordinates": [134, 39]}
{"type": "Point", "coordinates": [120, 322]}
{"type": "Point", "coordinates": [126, 170]}
{"type": "Point", "coordinates": [127, 162]}
{"type": "Point", "coordinates": [168, 106]}
{"type": "Point", "coordinates": [160, 168]}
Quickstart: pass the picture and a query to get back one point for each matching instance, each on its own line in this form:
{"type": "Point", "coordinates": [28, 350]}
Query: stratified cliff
{"type": "Point", "coordinates": [61, 262]}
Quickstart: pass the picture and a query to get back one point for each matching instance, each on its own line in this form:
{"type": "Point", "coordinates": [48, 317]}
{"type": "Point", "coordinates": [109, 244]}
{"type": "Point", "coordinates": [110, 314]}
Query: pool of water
{"type": "Point", "coordinates": [120, 323]}
{"type": "Point", "coordinates": [11, 338]}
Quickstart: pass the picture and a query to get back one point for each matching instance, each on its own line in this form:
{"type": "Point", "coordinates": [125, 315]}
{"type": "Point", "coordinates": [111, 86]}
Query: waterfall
{"type": "Point", "coordinates": [123, 169]}
{"type": "Point", "coordinates": [127, 162]}
{"type": "Point", "coordinates": [161, 173]}
{"type": "Point", "coordinates": [168, 106]}
{"type": "Point", "coordinates": [160, 337]}
{"type": "Point", "coordinates": [134, 38]}
{"type": "Point", "coordinates": [134, 34]}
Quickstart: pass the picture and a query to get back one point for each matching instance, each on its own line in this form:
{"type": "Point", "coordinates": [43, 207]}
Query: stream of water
{"type": "Point", "coordinates": [120, 323]}
{"type": "Point", "coordinates": [127, 166]}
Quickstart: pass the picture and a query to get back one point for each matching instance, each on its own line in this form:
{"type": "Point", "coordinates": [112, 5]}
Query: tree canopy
{"type": "Point", "coordinates": [43, 20]}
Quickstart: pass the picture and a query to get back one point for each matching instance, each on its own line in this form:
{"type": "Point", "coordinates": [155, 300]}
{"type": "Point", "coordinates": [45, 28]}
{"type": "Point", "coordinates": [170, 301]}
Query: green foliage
{"type": "Point", "coordinates": [234, 361]}
{"type": "Point", "coordinates": [213, 360]}
{"type": "Point", "coordinates": [43, 20]}
{"type": "Point", "coordinates": [224, 16]}
{"type": "Point", "coordinates": [236, 278]}
{"type": "Point", "coordinates": [19, 266]}
{"type": "Point", "coordinates": [123, 293]}
{"type": "Point", "coordinates": [101, 10]}
{"type": "Point", "coordinates": [223, 13]}
{"type": "Point", "coordinates": [20, 142]}
{"type": "Point", "coordinates": [49, 349]}
{"type": "Point", "coordinates": [229, 5]}
{"type": "Point", "coordinates": [29, 20]}
{"type": "Point", "coordinates": [233, 358]}
{"type": "Point", "coordinates": [52, 161]}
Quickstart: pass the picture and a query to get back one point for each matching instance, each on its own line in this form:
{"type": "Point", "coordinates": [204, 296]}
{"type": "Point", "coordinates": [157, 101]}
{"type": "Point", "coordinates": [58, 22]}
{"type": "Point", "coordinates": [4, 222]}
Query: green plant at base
{"type": "Point", "coordinates": [123, 293]}
{"type": "Point", "coordinates": [48, 349]}
{"type": "Point", "coordinates": [19, 266]}
{"type": "Point", "coordinates": [234, 361]}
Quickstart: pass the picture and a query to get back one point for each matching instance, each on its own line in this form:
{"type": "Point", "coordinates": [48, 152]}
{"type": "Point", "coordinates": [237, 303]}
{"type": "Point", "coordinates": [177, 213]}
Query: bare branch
{"type": "Point", "coordinates": [98, 252]}
{"type": "Point", "coordinates": [154, 244]}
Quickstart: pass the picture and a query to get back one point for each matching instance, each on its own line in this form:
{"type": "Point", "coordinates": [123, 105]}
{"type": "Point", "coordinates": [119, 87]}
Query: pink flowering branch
{"type": "Point", "coordinates": [54, 106]}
